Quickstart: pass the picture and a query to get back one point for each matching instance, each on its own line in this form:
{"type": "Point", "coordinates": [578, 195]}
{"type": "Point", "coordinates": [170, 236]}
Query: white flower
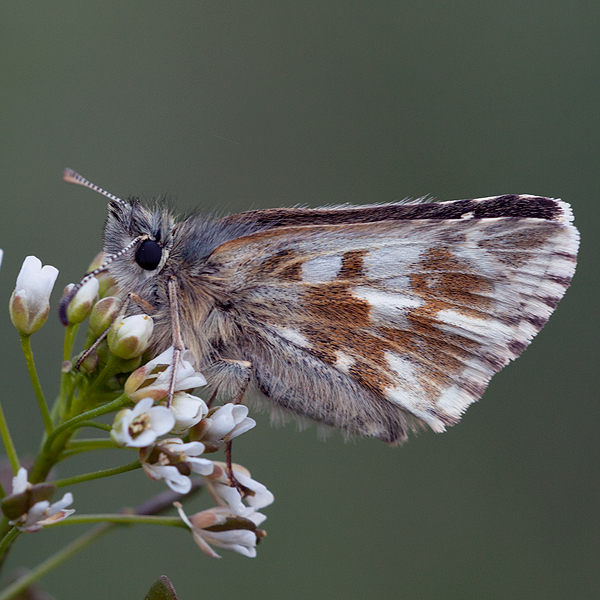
{"type": "Point", "coordinates": [173, 460]}
{"type": "Point", "coordinates": [83, 301]}
{"type": "Point", "coordinates": [187, 410]}
{"type": "Point", "coordinates": [255, 494]}
{"type": "Point", "coordinates": [130, 336]}
{"type": "Point", "coordinates": [224, 529]}
{"type": "Point", "coordinates": [30, 301]}
{"type": "Point", "coordinates": [178, 482]}
{"type": "Point", "coordinates": [189, 452]}
{"type": "Point", "coordinates": [140, 426]}
{"type": "Point", "coordinates": [43, 513]}
{"type": "Point", "coordinates": [223, 424]}
{"type": "Point", "coordinates": [152, 379]}
{"type": "Point", "coordinates": [39, 513]}
{"type": "Point", "coordinates": [20, 483]}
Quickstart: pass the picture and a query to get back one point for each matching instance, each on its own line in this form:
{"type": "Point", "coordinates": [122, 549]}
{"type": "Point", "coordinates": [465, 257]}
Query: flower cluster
{"type": "Point", "coordinates": [174, 460]}
{"type": "Point", "coordinates": [172, 429]}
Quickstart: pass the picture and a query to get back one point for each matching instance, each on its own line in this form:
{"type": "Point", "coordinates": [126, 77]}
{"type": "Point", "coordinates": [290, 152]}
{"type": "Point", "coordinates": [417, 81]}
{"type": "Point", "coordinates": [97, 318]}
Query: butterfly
{"type": "Point", "coordinates": [375, 320]}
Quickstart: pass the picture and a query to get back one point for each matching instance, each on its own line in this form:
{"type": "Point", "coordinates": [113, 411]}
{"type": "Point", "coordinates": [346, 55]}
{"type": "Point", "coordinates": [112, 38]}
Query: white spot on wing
{"type": "Point", "coordinates": [321, 268]}
{"type": "Point", "coordinates": [344, 361]}
{"type": "Point", "coordinates": [387, 261]}
{"type": "Point", "coordinates": [410, 394]}
{"type": "Point", "coordinates": [480, 329]}
{"type": "Point", "coordinates": [386, 304]}
{"type": "Point", "coordinates": [452, 401]}
{"type": "Point", "coordinates": [292, 336]}
{"type": "Point", "coordinates": [404, 369]}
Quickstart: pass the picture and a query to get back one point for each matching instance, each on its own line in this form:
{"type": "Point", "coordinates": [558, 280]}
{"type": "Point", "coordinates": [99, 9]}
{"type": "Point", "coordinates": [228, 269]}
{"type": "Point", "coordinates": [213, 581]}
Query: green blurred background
{"type": "Point", "coordinates": [237, 105]}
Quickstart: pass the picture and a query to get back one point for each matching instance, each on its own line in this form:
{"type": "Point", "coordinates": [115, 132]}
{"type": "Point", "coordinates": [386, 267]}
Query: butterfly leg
{"type": "Point", "coordinates": [243, 371]}
{"type": "Point", "coordinates": [177, 338]}
{"type": "Point", "coordinates": [235, 376]}
{"type": "Point", "coordinates": [233, 482]}
{"type": "Point", "coordinates": [229, 377]}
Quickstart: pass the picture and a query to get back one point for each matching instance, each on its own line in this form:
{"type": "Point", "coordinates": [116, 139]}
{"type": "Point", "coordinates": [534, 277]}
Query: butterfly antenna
{"type": "Point", "coordinates": [66, 299]}
{"type": "Point", "coordinates": [71, 176]}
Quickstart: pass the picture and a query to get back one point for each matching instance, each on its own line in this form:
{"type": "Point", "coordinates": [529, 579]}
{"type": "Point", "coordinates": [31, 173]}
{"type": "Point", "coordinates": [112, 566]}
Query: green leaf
{"type": "Point", "coordinates": [161, 589]}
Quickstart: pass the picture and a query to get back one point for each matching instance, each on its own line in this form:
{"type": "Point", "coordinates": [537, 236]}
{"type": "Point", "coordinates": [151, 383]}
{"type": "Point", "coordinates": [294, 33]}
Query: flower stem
{"type": "Point", "coordinates": [8, 444]}
{"type": "Point", "coordinates": [95, 425]}
{"type": "Point", "coordinates": [80, 420]}
{"type": "Point", "coordinates": [7, 540]}
{"type": "Point", "coordinates": [37, 388]}
{"type": "Point", "coordinates": [85, 444]}
{"type": "Point", "coordinates": [97, 474]}
{"type": "Point", "coordinates": [70, 335]}
{"type": "Point", "coordinates": [80, 446]}
{"type": "Point", "coordinates": [123, 519]}
{"type": "Point", "coordinates": [57, 440]}
{"type": "Point", "coordinates": [51, 563]}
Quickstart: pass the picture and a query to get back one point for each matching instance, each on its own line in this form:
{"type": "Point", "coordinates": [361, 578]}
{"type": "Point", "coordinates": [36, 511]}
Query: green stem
{"type": "Point", "coordinates": [92, 444]}
{"type": "Point", "coordinates": [37, 388]}
{"type": "Point", "coordinates": [7, 540]}
{"type": "Point", "coordinates": [70, 334]}
{"type": "Point", "coordinates": [11, 451]}
{"type": "Point", "coordinates": [144, 513]}
{"type": "Point", "coordinates": [76, 422]}
{"type": "Point", "coordinates": [97, 474]}
{"type": "Point", "coordinates": [124, 519]}
{"type": "Point", "coordinates": [95, 425]}
{"type": "Point", "coordinates": [80, 446]}
{"type": "Point", "coordinates": [51, 563]}
{"type": "Point", "coordinates": [54, 445]}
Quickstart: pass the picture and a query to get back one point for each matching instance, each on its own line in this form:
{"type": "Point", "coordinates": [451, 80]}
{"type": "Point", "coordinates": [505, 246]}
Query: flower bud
{"type": "Point", "coordinates": [81, 305]}
{"type": "Point", "coordinates": [30, 302]}
{"type": "Point", "coordinates": [90, 363]}
{"type": "Point", "coordinates": [221, 425]}
{"type": "Point", "coordinates": [187, 410]}
{"type": "Point", "coordinates": [105, 311]}
{"type": "Point", "coordinates": [130, 336]}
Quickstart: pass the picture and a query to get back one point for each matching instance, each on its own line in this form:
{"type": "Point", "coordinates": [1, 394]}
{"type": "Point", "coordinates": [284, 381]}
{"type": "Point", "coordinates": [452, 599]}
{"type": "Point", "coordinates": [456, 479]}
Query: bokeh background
{"type": "Point", "coordinates": [237, 105]}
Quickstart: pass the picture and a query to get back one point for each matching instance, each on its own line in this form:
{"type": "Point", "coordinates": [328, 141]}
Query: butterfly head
{"type": "Point", "coordinates": [139, 240]}
{"type": "Point", "coordinates": [137, 244]}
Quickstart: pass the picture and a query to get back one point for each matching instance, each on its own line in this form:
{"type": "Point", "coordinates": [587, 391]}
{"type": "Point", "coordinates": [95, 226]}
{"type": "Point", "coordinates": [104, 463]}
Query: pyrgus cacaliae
{"type": "Point", "coordinates": [372, 319]}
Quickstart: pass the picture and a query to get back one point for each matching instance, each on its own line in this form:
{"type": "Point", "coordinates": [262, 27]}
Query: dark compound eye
{"type": "Point", "coordinates": [148, 255]}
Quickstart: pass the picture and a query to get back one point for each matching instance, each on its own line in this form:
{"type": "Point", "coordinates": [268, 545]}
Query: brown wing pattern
{"type": "Point", "coordinates": [365, 326]}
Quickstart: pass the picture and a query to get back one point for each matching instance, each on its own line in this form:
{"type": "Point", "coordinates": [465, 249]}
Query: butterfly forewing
{"type": "Point", "coordinates": [375, 315]}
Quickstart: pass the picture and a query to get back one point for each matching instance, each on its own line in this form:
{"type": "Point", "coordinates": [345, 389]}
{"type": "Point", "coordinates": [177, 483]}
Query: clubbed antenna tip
{"type": "Point", "coordinates": [71, 176]}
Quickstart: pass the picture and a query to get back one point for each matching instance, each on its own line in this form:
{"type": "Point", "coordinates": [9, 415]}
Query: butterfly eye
{"type": "Point", "coordinates": [148, 255]}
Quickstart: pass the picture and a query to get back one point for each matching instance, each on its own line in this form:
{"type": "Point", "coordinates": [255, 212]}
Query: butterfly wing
{"type": "Point", "coordinates": [375, 327]}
